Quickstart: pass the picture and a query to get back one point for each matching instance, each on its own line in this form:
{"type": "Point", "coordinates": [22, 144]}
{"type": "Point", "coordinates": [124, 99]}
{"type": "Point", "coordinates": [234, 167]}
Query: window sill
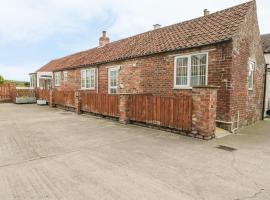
{"type": "Point", "coordinates": [89, 89]}
{"type": "Point", "coordinates": [182, 88]}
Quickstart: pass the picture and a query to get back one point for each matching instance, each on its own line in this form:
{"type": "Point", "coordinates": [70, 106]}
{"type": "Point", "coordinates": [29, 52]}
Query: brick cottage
{"type": "Point", "coordinates": [222, 49]}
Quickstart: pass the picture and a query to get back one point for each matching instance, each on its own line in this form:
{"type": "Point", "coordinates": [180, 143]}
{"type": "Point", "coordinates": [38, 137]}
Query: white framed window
{"type": "Point", "coordinates": [88, 77]}
{"type": "Point", "coordinates": [57, 78]}
{"type": "Point", "coordinates": [251, 69]}
{"type": "Point", "coordinates": [190, 70]}
{"type": "Point", "coordinates": [113, 80]}
{"type": "Point", "coordinates": [33, 81]}
{"type": "Point", "coordinates": [65, 73]}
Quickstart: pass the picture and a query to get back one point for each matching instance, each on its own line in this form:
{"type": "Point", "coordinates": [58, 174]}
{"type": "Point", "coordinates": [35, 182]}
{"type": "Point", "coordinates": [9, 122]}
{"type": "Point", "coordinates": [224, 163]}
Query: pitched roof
{"type": "Point", "coordinates": [216, 27]}
{"type": "Point", "coordinates": [266, 43]}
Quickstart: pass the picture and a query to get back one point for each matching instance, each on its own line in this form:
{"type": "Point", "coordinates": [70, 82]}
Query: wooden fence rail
{"type": "Point", "coordinates": [64, 98]}
{"type": "Point", "coordinates": [100, 104]}
{"type": "Point", "coordinates": [172, 112]}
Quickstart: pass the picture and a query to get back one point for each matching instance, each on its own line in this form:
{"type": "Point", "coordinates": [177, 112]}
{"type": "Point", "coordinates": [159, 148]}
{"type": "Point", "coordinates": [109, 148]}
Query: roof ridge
{"type": "Point", "coordinates": [215, 27]}
{"type": "Point", "coordinates": [186, 21]}
{"type": "Point", "coordinates": [160, 29]}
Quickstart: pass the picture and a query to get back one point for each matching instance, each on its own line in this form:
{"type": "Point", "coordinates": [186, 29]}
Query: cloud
{"type": "Point", "coordinates": [35, 20]}
{"type": "Point", "coordinates": [46, 29]}
{"type": "Point", "coordinates": [18, 72]}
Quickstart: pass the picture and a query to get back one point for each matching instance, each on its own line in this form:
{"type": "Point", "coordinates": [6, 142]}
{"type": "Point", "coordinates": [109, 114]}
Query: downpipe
{"type": "Point", "coordinates": [264, 93]}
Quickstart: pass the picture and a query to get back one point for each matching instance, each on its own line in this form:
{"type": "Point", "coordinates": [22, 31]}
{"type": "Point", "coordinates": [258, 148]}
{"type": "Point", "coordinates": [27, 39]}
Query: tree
{"type": "Point", "coordinates": [2, 80]}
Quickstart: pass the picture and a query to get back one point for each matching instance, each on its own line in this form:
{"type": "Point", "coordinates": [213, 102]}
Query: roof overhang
{"type": "Point", "coordinates": [45, 77]}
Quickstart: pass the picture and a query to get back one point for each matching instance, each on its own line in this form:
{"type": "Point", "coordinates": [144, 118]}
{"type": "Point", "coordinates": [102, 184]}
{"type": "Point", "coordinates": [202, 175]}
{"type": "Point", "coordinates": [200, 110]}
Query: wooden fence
{"type": "Point", "coordinates": [43, 94]}
{"type": "Point", "coordinates": [64, 98]}
{"type": "Point", "coordinates": [6, 91]}
{"type": "Point", "coordinates": [24, 93]}
{"type": "Point", "coordinates": [100, 104]}
{"type": "Point", "coordinates": [172, 112]}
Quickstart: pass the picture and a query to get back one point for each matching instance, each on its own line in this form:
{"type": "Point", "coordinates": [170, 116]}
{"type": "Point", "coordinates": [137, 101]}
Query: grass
{"type": "Point", "coordinates": [19, 83]}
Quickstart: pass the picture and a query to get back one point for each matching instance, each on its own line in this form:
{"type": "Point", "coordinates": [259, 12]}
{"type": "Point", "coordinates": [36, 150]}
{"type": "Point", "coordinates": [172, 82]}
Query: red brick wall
{"type": "Point", "coordinates": [158, 74]}
{"type": "Point", "coordinates": [155, 74]}
{"type": "Point", "coordinates": [247, 45]}
{"type": "Point", "coordinates": [227, 69]}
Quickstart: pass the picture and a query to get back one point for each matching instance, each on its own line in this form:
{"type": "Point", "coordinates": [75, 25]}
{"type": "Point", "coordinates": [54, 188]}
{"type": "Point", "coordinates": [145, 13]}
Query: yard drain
{"type": "Point", "coordinates": [226, 148]}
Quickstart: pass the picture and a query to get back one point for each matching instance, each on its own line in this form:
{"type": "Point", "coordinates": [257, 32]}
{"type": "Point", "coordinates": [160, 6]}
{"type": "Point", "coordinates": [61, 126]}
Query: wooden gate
{"type": "Point", "coordinates": [172, 112]}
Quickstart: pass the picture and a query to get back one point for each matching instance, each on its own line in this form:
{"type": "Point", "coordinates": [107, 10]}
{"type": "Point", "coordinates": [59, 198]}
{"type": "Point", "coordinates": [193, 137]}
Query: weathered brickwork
{"type": "Point", "coordinates": [155, 75]}
{"type": "Point", "coordinates": [247, 45]}
{"type": "Point", "coordinates": [204, 101]}
{"type": "Point", "coordinates": [227, 69]}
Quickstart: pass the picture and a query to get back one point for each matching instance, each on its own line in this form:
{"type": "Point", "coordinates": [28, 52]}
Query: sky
{"type": "Point", "coordinates": [33, 32]}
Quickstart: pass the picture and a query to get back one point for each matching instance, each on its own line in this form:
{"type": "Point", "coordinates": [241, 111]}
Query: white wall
{"type": "Point", "coordinates": [267, 103]}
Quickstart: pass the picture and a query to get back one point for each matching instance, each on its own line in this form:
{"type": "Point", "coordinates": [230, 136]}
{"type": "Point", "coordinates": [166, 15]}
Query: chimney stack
{"type": "Point", "coordinates": [157, 26]}
{"type": "Point", "coordinates": [206, 12]}
{"type": "Point", "coordinates": [103, 40]}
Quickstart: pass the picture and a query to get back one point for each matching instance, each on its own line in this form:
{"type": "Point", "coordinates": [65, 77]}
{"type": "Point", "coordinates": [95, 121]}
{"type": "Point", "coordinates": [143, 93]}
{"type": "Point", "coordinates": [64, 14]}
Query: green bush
{"type": "Point", "coordinates": [2, 80]}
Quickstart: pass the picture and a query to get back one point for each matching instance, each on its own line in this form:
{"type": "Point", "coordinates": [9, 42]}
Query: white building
{"type": "Point", "coordinates": [266, 46]}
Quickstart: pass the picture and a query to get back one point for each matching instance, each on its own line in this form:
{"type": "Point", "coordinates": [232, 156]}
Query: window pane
{"type": "Point", "coordinates": [57, 77]}
{"type": "Point", "coordinates": [83, 78]}
{"type": "Point", "coordinates": [92, 78]}
{"type": "Point", "coordinates": [182, 71]}
{"type": "Point", "coordinates": [88, 79]}
{"type": "Point", "coordinates": [113, 77]}
{"type": "Point", "coordinates": [198, 70]}
{"type": "Point", "coordinates": [250, 75]}
{"type": "Point", "coordinates": [113, 91]}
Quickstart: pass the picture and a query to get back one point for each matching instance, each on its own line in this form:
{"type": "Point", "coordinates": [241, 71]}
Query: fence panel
{"type": "Point", "coordinates": [64, 98]}
{"type": "Point", "coordinates": [6, 91]}
{"type": "Point", "coordinates": [172, 112]}
{"type": "Point", "coordinates": [24, 93]}
{"type": "Point", "coordinates": [103, 104]}
{"type": "Point", "coordinates": [43, 94]}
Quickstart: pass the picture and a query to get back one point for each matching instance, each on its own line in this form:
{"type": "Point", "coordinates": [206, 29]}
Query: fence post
{"type": "Point", "coordinates": [124, 101]}
{"type": "Point", "coordinates": [204, 105]}
{"type": "Point", "coordinates": [52, 104]}
{"type": "Point", "coordinates": [77, 102]}
{"type": "Point", "coordinates": [12, 92]}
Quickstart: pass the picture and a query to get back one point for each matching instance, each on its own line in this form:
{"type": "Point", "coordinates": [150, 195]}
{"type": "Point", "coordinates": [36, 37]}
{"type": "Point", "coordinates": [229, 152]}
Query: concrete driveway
{"type": "Point", "coordinates": [52, 154]}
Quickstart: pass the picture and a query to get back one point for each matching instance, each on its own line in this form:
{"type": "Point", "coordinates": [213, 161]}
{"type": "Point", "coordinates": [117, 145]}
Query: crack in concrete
{"type": "Point", "coordinates": [252, 196]}
{"type": "Point", "coordinates": [259, 190]}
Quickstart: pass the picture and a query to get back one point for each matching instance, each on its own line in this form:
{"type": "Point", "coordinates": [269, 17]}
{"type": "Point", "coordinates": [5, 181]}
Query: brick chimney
{"type": "Point", "coordinates": [206, 12]}
{"type": "Point", "coordinates": [157, 26]}
{"type": "Point", "coordinates": [103, 40]}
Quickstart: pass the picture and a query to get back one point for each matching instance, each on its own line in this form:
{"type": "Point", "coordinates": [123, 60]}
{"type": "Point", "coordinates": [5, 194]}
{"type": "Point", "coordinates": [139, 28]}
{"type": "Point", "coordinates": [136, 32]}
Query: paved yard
{"type": "Point", "coordinates": [52, 154]}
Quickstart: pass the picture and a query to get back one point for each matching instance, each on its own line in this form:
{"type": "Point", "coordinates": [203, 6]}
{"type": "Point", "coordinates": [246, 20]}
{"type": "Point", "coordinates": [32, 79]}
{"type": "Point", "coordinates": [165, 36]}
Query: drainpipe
{"type": "Point", "coordinates": [264, 93]}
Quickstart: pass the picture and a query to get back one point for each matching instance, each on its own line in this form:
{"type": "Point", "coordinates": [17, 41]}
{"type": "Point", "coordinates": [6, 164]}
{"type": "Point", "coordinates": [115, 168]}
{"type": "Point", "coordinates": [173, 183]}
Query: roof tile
{"type": "Point", "coordinates": [266, 43]}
